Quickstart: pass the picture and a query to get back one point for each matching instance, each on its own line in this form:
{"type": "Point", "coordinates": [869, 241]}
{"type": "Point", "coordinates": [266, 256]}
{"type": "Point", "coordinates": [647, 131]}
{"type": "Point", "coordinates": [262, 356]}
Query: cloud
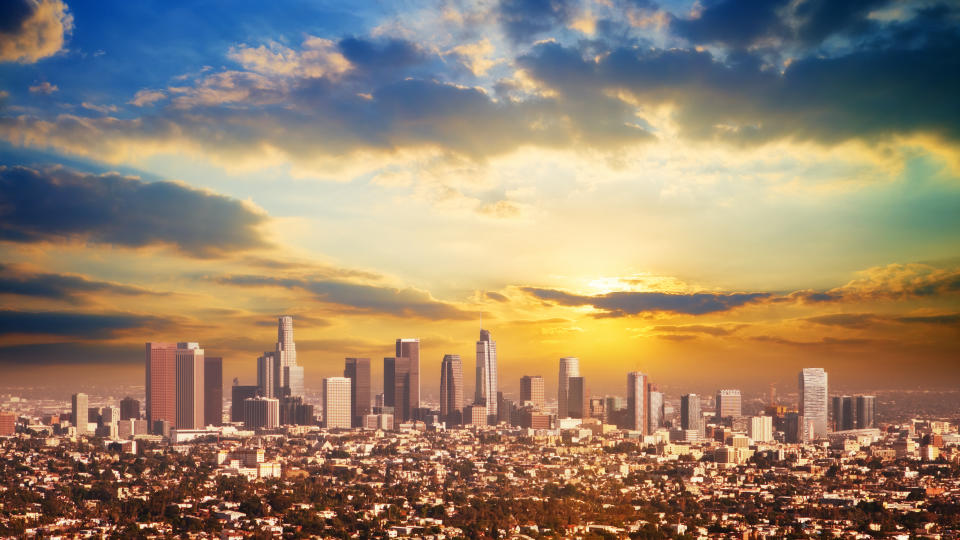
{"type": "Point", "coordinates": [949, 319]}
{"type": "Point", "coordinates": [31, 30]}
{"type": "Point", "coordinates": [737, 23]}
{"type": "Point", "coordinates": [523, 20]}
{"type": "Point", "coordinates": [695, 329]}
{"type": "Point", "coordinates": [497, 297]}
{"type": "Point", "coordinates": [147, 97]}
{"type": "Point", "coordinates": [846, 320]}
{"type": "Point", "coordinates": [628, 303]}
{"type": "Point", "coordinates": [72, 324]}
{"type": "Point", "coordinates": [358, 297]}
{"type": "Point", "coordinates": [58, 286]}
{"type": "Point", "coordinates": [44, 88]}
{"type": "Point", "coordinates": [860, 321]}
{"type": "Point", "coordinates": [71, 353]}
{"type": "Point", "coordinates": [890, 282]}
{"type": "Point", "coordinates": [823, 343]}
{"type": "Point", "coordinates": [62, 205]}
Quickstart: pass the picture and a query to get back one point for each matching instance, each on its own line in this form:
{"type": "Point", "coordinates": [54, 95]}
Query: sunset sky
{"type": "Point", "coordinates": [716, 193]}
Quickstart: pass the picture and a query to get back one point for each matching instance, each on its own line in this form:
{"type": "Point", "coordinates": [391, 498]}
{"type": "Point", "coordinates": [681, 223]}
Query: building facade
{"type": "Point", "coordinates": [213, 390]}
{"type": "Point", "coordinates": [409, 348]}
{"type": "Point", "coordinates": [637, 401]}
{"type": "Point", "coordinates": [336, 403]}
{"type": "Point", "coordinates": [532, 390]}
{"type": "Point", "coordinates": [487, 386]}
{"type": "Point", "coordinates": [813, 399]}
{"type": "Point", "coordinates": [358, 371]}
{"type": "Point", "coordinates": [451, 390]}
{"type": "Point", "coordinates": [569, 367]}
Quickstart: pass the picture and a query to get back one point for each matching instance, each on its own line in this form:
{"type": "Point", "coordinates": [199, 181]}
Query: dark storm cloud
{"type": "Point", "coordinates": [71, 353]}
{"type": "Point", "coordinates": [737, 23]}
{"type": "Point", "coordinates": [867, 93]}
{"type": "Point", "coordinates": [72, 324]}
{"type": "Point", "coordinates": [523, 20]}
{"type": "Point", "coordinates": [389, 53]}
{"type": "Point", "coordinates": [627, 303]}
{"type": "Point", "coordinates": [13, 13]}
{"type": "Point", "coordinates": [820, 19]}
{"type": "Point", "coordinates": [57, 205]}
{"type": "Point", "coordinates": [58, 286]}
{"type": "Point", "coordinates": [363, 298]}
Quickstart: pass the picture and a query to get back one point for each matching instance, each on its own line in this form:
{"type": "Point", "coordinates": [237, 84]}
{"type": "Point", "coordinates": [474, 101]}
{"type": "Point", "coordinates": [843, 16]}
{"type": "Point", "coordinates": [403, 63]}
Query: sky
{"type": "Point", "coordinates": [716, 193]}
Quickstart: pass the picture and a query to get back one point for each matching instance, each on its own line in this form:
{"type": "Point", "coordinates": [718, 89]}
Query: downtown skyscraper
{"type": "Point", "coordinates": [531, 389]}
{"type": "Point", "coordinates": [487, 388]}
{"type": "Point", "coordinates": [569, 367]}
{"type": "Point", "coordinates": [637, 402]}
{"type": "Point", "coordinates": [814, 399]}
{"type": "Point", "coordinates": [288, 374]}
{"type": "Point", "coordinates": [190, 404]}
{"type": "Point", "coordinates": [451, 390]}
{"type": "Point", "coordinates": [409, 348]}
{"type": "Point", "coordinates": [358, 371]}
{"type": "Point", "coordinates": [336, 402]}
{"type": "Point", "coordinates": [396, 387]}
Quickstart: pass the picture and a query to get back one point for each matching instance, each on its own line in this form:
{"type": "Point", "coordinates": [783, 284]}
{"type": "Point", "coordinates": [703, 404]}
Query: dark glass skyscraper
{"type": "Point", "coordinates": [451, 389]}
{"type": "Point", "coordinates": [358, 371]}
{"type": "Point", "coordinates": [396, 387]}
{"type": "Point", "coordinates": [213, 390]}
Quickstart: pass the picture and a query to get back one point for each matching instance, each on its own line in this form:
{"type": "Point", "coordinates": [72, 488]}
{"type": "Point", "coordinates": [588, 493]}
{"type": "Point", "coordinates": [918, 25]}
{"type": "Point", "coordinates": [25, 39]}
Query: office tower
{"type": "Point", "coordinates": [8, 424]}
{"type": "Point", "coordinates": [396, 387]}
{"type": "Point", "coordinates": [129, 409]}
{"type": "Point", "coordinates": [293, 377]}
{"type": "Point", "coordinates": [238, 395]}
{"type": "Point", "coordinates": [813, 399]}
{"type": "Point", "coordinates": [598, 409]}
{"type": "Point", "coordinates": [190, 387]}
{"type": "Point", "coordinates": [761, 428]}
{"type": "Point", "coordinates": [475, 415]}
{"type": "Point", "coordinates": [866, 412]}
{"type": "Point", "coordinates": [358, 371]}
{"type": "Point", "coordinates": [261, 412]}
{"type": "Point", "coordinates": [410, 348]}
{"type": "Point", "coordinates": [451, 390]}
{"type": "Point", "coordinates": [504, 408]}
{"type": "Point", "coordinates": [293, 411]}
{"type": "Point", "coordinates": [213, 391]}
{"type": "Point", "coordinates": [531, 389]}
{"type": "Point", "coordinates": [577, 397]}
{"type": "Point", "coordinates": [569, 367]}
{"type": "Point", "coordinates": [796, 428]}
{"type": "Point", "coordinates": [79, 412]}
{"type": "Point", "coordinates": [336, 403]}
{"type": "Point", "coordinates": [654, 408]}
{"type": "Point", "coordinates": [266, 374]}
{"type": "Point", "coordinates": [487, 387]}
{"type": "Point", "coordinates": [289, 376]}
{"type": "Point", "coordinates": [690, 416]}
{"type": "Point", "coordinates": [729, 404]}
{"type": "Point", "coordinates": [161, 388]}
{"type": "Point", "coordinates": [844, 413]}
{"type": "Point", "coordinates": [637, 401]}
{"type": "Point", "coordinates": [109, 415]}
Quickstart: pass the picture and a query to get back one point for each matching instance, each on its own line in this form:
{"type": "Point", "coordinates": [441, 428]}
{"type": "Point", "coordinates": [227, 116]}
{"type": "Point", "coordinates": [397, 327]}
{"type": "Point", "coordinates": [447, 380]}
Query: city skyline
{"type": "Point", "coordinates": [647, 186]}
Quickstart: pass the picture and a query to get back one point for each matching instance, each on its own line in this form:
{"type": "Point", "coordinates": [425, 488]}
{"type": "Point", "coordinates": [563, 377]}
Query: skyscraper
{"type": "Point", "coordinates": [844, 413]}
{"type": "Point", "coordinates": [261, 412]}
{"type": "Point", "coordinates": [637, 401]}
{"type": "Point", "coordinates": [213, 391]}
{"type": "Point", "coordinates": [654, 408]}
{"type": "Point", "coordinates": [531, 389]}
{"type": "Point", "coordinates": [396, 387]}
{"type": "Point", "coordinates": [866, 412]}
{"type": "Point", "coordinates": [190, 387]}
{"type": "Point", "coordinates": [761, 428]}
{"type": "Point", "coordinates": [238, 394]}
{"type": "Point", "coordinates": [813, 399]}
{"type": "Point", "coordinates": [358, 371]}
{"type": "Point", "coordinates": [569, 367]}
{"type": "Point", "coordinates": [729, 404]}
{"type": "Point", "coordinates": [577, 398]}
{"type": "Point", "coordinates": [161, 387]}
{"type": "Point", "coordinates": [336, 402]}
{"type": "Point", "coordinates": [451, 389]}
{"type": "Point", "coordinates": [288, 375]}
{"type": "Point", "coordinates": [79, 412]}
{"type": "Point", "coordinates": [129, 409]}
{"type": "Point", "coordinates": [486, 389]}
{"type": "Point", "coordinates": [410, 348]}
{"type": "Point", "coordinates": [266, 374]}
{"type": "Point", "coordinates": [690, 415]}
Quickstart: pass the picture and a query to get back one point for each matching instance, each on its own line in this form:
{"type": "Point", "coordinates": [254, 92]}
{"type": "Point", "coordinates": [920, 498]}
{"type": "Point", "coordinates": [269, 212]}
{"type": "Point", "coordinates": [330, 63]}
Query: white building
{"type": "Point", "coordinates": [814, 398]}
{"type": "Point", "coordinates": [336, 402]}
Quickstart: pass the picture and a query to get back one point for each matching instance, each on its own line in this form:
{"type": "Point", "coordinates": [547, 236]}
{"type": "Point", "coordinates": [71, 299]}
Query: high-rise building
{"type": "Point", "coordinates": [79, 412]}
{"type": "Point", "coordinates": [691, 417]}
{"type": "Point", "coordinates": [190, 387]}
{"type": "Point", "coordinates": [213, 391]}
{"type": "Point", "coordinates": [358, 371]}
{"type": "Point", "coordinates": [531, 389]}
{"type": "Point", "coordinates": [654, 408]}
{"type": "Point", "coordinates": [866, 412]}
{"type": "Point", "coordinates": [336, 403]}
{"type": "Point", "coordinates": [396, 387]}
{"type": "Point", "coordinates": [129, 409]}
{"type": "Point", "coordinates": [261, 412]}
{"type": "Point", "coordinates": [813, 399]}
{"type": "Point", "coordinates": [293, 411]}
{"type": "Point", "coordinates": [577, 398]}
{"type": "Point", "coordinates": [569, 367]}
{"type": "Point", "coordinates": [844, 413]}
{"type": "Point", "coordinates": [487, 387]}
{"type": "Point", "coordinates": [161, 387]}
{"type": "Point", "coordinates": [729, 404]}
{"type": "Point", "coordinates": [266, 374]}
{"type": "Point", "coordinates": [410, 348]}
{"type": "Point", "coordinates": [637, 401]}
{"type": "Point", "coordinates": [288, 374]}
{"type": "Point", "coordinates": [238, 395]}
{"type": "Point", "coordinates": [451, 390]}
{"type": "Point", "coordinates": [761, 428]}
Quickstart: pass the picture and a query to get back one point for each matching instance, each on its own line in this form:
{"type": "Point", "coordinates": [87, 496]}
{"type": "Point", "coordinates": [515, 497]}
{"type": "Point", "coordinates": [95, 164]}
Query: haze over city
{"type": "Point", "coordinates": [712, 194]}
